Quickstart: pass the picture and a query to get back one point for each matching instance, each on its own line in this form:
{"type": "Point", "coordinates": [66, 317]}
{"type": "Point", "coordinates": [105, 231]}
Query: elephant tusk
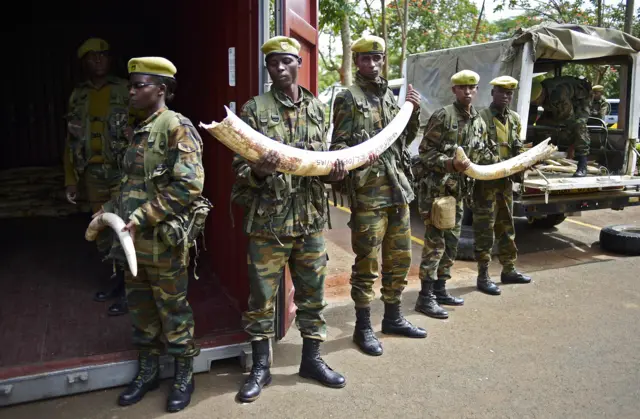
{"type": "Point", "coordinates": [109, 219]}
{"type": "Point", "coordinates": [509, 167]}
{"type": "Point", "coordinates": [250, 144]}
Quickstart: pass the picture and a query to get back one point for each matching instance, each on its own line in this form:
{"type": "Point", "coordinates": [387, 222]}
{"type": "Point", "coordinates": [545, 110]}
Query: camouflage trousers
{"type": "Point", "coordinates": [440, 249]}
{"type": "Point", "coordinates": [159, 310]}
{"type": "Point", "coordinates": [575, 129]}
{"type": "Point", "coordinates": [493, 220]}
{"type": "Point", "coordinates": [390, 229]}
{"type": "Point", "coordinates": [100, 184]}
{"type": "Point", "coordinates": [307, 259]}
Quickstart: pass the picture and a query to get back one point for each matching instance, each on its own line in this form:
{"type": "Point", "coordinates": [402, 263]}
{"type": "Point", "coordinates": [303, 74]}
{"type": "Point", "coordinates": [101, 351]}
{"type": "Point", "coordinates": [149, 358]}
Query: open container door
{"type": "Point", "coordinates": [300, 21]}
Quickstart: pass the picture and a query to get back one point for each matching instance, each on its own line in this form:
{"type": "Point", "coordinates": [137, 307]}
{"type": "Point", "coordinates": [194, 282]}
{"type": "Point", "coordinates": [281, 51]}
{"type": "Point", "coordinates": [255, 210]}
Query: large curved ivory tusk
{"type": "Point", "coordinates": [250, 144]}
{"type": "Point", "coordinates": [508, 167]}
{"type": "Point", "coordinates": [109, 219]}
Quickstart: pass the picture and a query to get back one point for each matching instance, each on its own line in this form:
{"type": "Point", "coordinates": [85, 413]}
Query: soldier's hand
{"type": "Point", "coordinates": [414, 97]}
{"type": "Point", "coordinates": [266, 165]}
{"type": "Point", "coordinates": [338, 172]}
{"type": "Point", "coordinates": [131, 228]}
{"type": "Point", "coordinates": [97, 213]}
{"type": "Point", "coordinates": [71, 192]}
{"type": "Point", "coordinates": [460, 166]}
{"type": "Point", "coordinates": [373, 157]}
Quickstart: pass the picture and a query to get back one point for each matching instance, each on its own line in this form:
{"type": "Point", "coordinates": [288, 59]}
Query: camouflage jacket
{"type": "Point", "coordinates": [566, 98]}
{"type": "Point", "coordinates": [360, 113]}
{"type": "Point", "coordinates": [513, 146]}
{"type": "Point", "coordinates": [178, 181]}
{"type": "Point", "coordinates": [282, 205]}
{"type": "Point", "coordinates": [599, 108]}
{"type": "Point", "coordinates": [448, 128]}
{"type": "Point", "coordinates": [78, 148]}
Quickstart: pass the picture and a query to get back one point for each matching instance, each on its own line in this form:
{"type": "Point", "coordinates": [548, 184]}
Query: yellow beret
{"type": "Point", "coordinates": [506, 82]}
{"type": "Point", "coordinates": [539, 78]}
{"type": "Point", "coordinates": [92, 44]}
{"type": "Point", "coordinates": [536, 89]}
{"type": "Point", "coordinates": [369, 44]}
{"type": "Point", "coordinates": [598, 88]}
{"type": "Point", "coordinates": [156, 66]}
{"type": "Point", "coordinates": [465, 78]}
{"type": "Point", "coordinates": [281, 45]}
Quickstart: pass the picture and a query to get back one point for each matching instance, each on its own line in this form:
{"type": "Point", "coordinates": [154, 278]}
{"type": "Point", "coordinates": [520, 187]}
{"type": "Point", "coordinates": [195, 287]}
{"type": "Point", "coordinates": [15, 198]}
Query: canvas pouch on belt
{"type": "Point", "coordinates": [443, 212]}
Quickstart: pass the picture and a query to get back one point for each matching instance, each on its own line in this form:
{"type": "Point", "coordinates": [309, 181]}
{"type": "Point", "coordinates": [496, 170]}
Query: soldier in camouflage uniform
{"type": "Point", "coordinates": [284, 217]}
{"type": "Point", "coordinates": [163, 179]}
{"type": "Point", "coordinates": [97, 118]}
{"type": "Point", "coordinates": [566, 102]}
{"type": "Point", "coordinates": [441, 175]}
{"type": "Point", "coordinates": [599, 105]}
{"type": "Point", "coordinates": [379, 195]}
{"type": "Point", "coordinates": [493, 199]}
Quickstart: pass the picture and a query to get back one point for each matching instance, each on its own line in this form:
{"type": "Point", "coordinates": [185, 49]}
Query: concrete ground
{"type": "Point", "coordinates": [565, 346]}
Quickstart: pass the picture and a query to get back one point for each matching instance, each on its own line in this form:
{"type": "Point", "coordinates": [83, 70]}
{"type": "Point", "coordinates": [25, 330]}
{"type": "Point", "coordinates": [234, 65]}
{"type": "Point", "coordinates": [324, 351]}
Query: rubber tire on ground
{"type": "Point", "coordinates": [621, 238]}
{"type": "Point", "coordinates": [466, 245]}
{"type": "Point", "coordinates": [467, 216]}
{"type": "Point", "coordinates": [549, 221]}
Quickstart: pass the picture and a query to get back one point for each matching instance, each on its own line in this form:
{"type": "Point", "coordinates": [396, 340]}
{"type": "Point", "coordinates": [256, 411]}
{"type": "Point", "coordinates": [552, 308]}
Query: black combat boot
{"type": "Point", "coordinates": [183, 385]}
{"type": "Point", "coordinates": [514, 277]}
{"type": "Point", "coordinates": [581, 171]}
{"type": "Point", "coordinates": [260, 375]}
{"type": "Point", "coordinates": [148, 379]}
{"type": "Point", "coordinates": [313, 367]}
{"type": "Point", "coordinates": [484, 282]}
{"type": "Point", "coordinates": [427, 304]}
{"type": "Point", "coordinates": [363, 335]}
{"type": "Point", "coordinates": [442, 295]}
{"type": "Point", "coordinates": [394, 323]}
{"type": "Point", "coordinates": [115, 292]}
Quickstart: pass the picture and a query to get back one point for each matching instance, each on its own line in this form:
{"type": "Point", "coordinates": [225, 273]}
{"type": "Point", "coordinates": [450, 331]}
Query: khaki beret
{"type": "Point", "coordinates": [281, 45]}
{"type": "Point", "coordinates": [156, 66]}
{"type": "Point", "coordinates": [506, 82]}
{"type": "Point", "coordinates": [369, 44]}
{"type": "Point", "coordinates": [465, 78]}
{"type": "Point", "coordinates": [598, 88]}
{"type": "Point", "coordinates": [92, 44]}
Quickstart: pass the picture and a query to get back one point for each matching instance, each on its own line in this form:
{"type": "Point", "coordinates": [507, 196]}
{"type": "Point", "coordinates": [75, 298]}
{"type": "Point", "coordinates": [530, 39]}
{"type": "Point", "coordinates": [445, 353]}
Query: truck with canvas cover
{"type": "Point", "coordinates": [549, 192]}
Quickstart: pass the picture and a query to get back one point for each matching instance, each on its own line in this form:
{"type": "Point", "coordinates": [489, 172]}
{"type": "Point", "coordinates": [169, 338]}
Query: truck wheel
{"type": "Point", "coordinates": [466, 245]}
{"type": "Point", "coordinates": [624, 239]}
{"type": "Point", "coordinates": [467, 217]}
{"type": "Point", "coordinates": [546, 221]}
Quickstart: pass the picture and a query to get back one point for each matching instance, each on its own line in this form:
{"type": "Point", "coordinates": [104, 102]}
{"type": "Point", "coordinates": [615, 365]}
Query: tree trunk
{"type": "Point", "coordinates": [475, 35]}
{"type": "Point", "coordinates": [628, 17]}
{"type": "Point", "coordinates": [599, 13]}
{"type": "Point", "coordinates": [385, 67]}
{"type": "Point", "coordinates": [405, 25]}
{"type": "Point", "coordinates": [345, 69]}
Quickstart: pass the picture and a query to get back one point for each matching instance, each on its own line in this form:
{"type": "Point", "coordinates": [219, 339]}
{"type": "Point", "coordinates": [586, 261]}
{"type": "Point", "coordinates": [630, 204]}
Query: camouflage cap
{"type": "Point", "coordinates": [155, 66]}
{"type": "Point", "coordinates": [465, 78]}
{"type": "Point", "coordinates": [369, 44]}
{"type": "Point", "coordinates": [598, 88]}
{"type": "Point", "coordinates": [281, 45]}
{"type": "Point", "coordinates": [506, 82]}
{"type": "Point", "coordinates": [92, 44]}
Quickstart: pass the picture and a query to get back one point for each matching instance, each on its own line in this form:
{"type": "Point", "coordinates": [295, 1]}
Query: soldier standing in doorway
{"type": "Point", "coordinates": [493, 199]}
{"type": "Point", "coordinates": [284, 217]}
{"type": "Point", "coordinates": [97, 118]}
{"type": "Point", "coordinates": [599, 104]}
{"type": "Point", "coordinates": [379, 195]}
{"type": "Point", "coordinates": [159, 196]}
